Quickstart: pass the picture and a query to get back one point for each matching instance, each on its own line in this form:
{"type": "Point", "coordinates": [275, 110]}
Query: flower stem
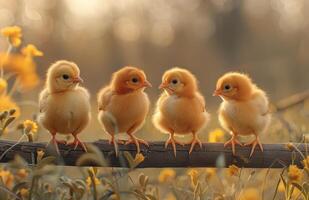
{"type": "Point", "coordinates": [95, 196]}
{"type": "Point", "coordinates": [14, 87]}
{"type": "Point", "coordinates": [20, 139]}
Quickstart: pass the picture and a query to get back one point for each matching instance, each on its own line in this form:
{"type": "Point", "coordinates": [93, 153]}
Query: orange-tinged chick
{"type": "Point", "coordinates": [181, 108]}
{"type": "Point", "coordinates": [64, 105]}
{"type": "Point", "coordinates": [244, 110]}
{"type": "Point", "coordinates": [123, 104]}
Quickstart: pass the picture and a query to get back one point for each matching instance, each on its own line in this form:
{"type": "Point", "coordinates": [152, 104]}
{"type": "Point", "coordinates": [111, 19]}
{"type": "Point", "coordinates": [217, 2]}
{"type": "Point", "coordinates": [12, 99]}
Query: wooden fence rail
{"type": "Point", "coordinates": [211, 155]}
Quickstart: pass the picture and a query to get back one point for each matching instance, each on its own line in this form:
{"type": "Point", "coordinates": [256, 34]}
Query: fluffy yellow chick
{"type": "Point", "coordinates": [181, 108]}
{"type": "Point", "coordinates": [64, 105]}
{"type": "Point", "coordinates": [244, 110]}
{"type": "Point", "coordinates": [123, 104]}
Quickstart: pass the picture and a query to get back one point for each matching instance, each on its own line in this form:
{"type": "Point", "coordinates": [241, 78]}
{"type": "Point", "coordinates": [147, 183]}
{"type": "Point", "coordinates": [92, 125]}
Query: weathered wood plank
{"type": "Point", "coordinates": [211, 155]}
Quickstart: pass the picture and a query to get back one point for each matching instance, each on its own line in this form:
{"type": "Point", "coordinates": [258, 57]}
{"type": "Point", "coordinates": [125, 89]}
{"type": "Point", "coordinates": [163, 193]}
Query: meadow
{"type": "Point", "coordinates": [155, 37]}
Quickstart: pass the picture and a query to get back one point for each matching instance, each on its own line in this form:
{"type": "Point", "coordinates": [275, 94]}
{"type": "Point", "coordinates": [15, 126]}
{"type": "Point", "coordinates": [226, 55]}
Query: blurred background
{"type": "Point", "coordinates": [267, 39]}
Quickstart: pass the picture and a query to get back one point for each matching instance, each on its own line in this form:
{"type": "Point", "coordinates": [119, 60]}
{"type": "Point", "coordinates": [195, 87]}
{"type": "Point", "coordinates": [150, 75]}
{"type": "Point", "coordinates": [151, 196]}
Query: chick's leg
{"type": "Point", "coordinates": [55, 142]}
{"type": "Point", "coordinates": [112, 140]}
{"type": "Point", "coordinates": [171, 140]}
{"type": "Point", "coordinates": [77, 142]}
{"type": "Point", "coordinates": [115, 143]}
{"type": "Point", "coordinates": [134, 139]}
{"type": "Point", "coordinates": [255, 142]}
{"type": "Point", "coordinates": [195, 140]}
{"type": "Point", "coordinates": [233, 141]}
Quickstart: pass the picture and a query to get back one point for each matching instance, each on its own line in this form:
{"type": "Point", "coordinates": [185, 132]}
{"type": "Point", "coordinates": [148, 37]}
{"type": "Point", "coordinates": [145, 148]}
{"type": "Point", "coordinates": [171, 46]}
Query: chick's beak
{"type": "Point", "coordinates": [163, 86]}
{"type": "Point", "coordinates": [147, 84]}
{"type": "Point", "coordinates": [217, 93]}
{"type": "Point", "coordinates": [78, 80]}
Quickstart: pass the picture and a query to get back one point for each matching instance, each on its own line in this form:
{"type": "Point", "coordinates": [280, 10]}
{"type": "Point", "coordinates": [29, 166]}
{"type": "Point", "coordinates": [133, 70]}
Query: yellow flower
{"type": "Point", "coordinates": [24, 68]}
{"type": "Point", "coordinates": [89, 182]}
{"type": "Point", "coordinates": [7, 178]}
{"type": "Point", "coordinates": [216, 135]}
{"type": "Point", "coordinates": [296, 193]}
{"type": "Point", "coordinates": [29, 81]}
{"type": "Point", "coordinates": [92, 173]}
{"type": "Point", "coordinates": [3, 85]}
{"type": "Point", "coordinates": [306, 162]}
{"type": "Point", "coordinates": [166, 175]}
{"type": "Point", "coordinates": [31, 50]}
{"type": "Point", "coordinates": [30, 126]}
{"type": "Point", "coordinates": [210, 172]}
{"type": "Point", "coordinates": [24, 193]}
{"type": "Point", "coordinates": [13, 33]}
{"type": "Point", "coordinates": [138, 158]}
{"type": "Point", "coordinates": [233, 170]}
{"type": "Point", "coordinates": [294, 173]}
{"type": "Point", "coordinates": [22, 174]}
{"type": "Point", "coordinates": [250, 194]}
{"type": "Point", "coordinates": [6, 104]}
{"type": "Point", "coordinates": [193, 176]}
{"type": "Point", "coordinates": [281, 187]}
{"type": "Point", "coordinates": [290, 146]}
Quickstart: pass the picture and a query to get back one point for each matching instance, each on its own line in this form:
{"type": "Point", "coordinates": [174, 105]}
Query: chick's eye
{"type": "Point", "coordinates": [65, 76]}
{"type": "Point", "coordinates": [134, 80]}
{"type": "Point", "coordinates": [227, 87]}
{"type": "Point", "coordinates": [174, 81]}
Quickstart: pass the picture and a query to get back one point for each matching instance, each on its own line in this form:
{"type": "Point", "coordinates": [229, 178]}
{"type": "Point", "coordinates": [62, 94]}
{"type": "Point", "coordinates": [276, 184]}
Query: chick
{"type": "Point", "coordinates": [64, 105]}
{"type": "Point", "coordinates": [181, 108]}
{"type": "Point", "coordinates": [244, 110]}
{"type": "Point", "coordinates": [123, 104]}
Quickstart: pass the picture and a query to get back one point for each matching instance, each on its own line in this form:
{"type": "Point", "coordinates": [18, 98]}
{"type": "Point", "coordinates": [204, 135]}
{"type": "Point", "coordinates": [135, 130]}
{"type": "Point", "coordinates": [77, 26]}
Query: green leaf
{"type": "Point", "coordinates": [143, 180]}
{"type": "Point", "coordinates": [299, 187]}
{"type": "Point", "coordinates": [3, 115]}
{"type": "Point", "coordinates": [94, 156]}
{"type": "Point", "coordinates": [306, 187]}
{"type": "Point", "coordinates": [8, 121]}
{"type": "Point", "coordinates": [46, 161]}
{"type": "Point", "coordinates": [129, 158]}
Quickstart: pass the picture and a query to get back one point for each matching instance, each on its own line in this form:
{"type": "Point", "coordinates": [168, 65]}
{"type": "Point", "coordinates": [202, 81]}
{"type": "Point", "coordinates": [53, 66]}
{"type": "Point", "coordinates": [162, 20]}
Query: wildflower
{"type": "Point", "coordinates": [294, 173]}
{"type": "Point", "coordinates": [7, 178]}
{"type": "Point", "coordinates": [250, 194]}
{"type": "Point", "coordinates": [166, 175]}
{"type": "Point", "coordinates": [296, 193]}
{"type": "Point", "coordinates": [306, 162]}
{"type": "Point", "coordinates": [24, 68]}
{"type": "Point", "coordinates": [193, 176]}
{"type": "Point", "coordinates": [210, 172]}
{"type": "Point", "coordinates": [24, 193]}
{"type": "Point", "coordinates": [13, 33]}
{"type": "Point", "coordinates": [138, 158]}
{"type": "Point", "coordinates": [3, 85]}
{"type": "Point", "coordinates": [216, 135]}
{"type": "Point", "coordinates": [30, 50]}
{"type": "Point", "coordinates": [88, 181]}
{"type": "Point", "coordinates": [30, 127]}
{"type": "Point", "coordinates": [29, 81]}
{"type": "Point", "coordinates": [290, 146]}
{"type": "Point", "coordinates": [6, 103]}
{"type": "Point", "coordinates": [40, 154]}
{"type": "Point", "coordinates": [233, 170]}
{"type": "Point", "coordinates": [281, 187]}
{"type": "Point", "coordinates": [22, 174]}
{"type": "Point", "coordinates": [92, 173]}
